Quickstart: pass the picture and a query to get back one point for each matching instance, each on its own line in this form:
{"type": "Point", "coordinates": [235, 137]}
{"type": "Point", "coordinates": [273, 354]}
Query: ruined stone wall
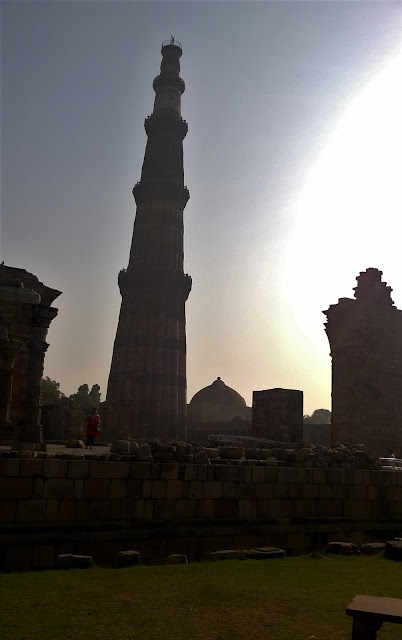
{"type": "Point", "coordinates": [57, 506]}
{"type": "Point", "coordinates": [365, 335]}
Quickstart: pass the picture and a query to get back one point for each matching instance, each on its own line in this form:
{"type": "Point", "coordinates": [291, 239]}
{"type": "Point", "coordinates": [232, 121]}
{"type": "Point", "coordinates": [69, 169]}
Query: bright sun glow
{"type": "Point", "coordinates": [349, 214]}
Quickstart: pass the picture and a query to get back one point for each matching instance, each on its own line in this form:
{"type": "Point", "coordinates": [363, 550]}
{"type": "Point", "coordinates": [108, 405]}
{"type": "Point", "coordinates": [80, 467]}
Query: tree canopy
{"type": "Point", "coordinates": [319, 416]}
{"type": "Point", "coordinates": [86, 399]}
{"type": "Point", "coordinates": [50, 391]}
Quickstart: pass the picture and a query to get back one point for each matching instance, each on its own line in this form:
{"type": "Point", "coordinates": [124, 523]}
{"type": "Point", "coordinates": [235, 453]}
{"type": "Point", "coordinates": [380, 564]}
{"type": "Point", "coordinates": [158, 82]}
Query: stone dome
{"type": "Point", "coordinates": [218, 393]}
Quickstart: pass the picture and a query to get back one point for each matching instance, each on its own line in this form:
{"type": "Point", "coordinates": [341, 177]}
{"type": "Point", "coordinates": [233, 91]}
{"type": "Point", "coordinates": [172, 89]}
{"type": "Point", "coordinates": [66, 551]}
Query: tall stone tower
{"type": "Point", "coordinates": [365, 335]}
{"type": "Point", "coordinates": [146, 394]}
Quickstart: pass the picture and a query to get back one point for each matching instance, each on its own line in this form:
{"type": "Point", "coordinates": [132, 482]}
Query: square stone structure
{"type": "Point", "coordinates": [277, 414]}
{"type": "Point", "coordinates": [365, 335]}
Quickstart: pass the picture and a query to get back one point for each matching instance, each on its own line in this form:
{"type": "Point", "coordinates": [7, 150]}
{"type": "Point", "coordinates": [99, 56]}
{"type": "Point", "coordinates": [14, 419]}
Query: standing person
{"type": "Point", "coordinates": [93, 422]}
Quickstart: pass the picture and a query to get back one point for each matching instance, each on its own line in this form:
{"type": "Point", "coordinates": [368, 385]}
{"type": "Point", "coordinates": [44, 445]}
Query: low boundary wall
{"type": "Point", "coordinates": [56, 506]}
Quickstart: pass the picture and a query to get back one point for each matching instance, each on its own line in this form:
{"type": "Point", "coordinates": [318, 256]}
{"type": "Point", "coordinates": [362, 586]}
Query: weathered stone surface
{"type": "Point", "coordinates": [143, 453]}
{"type": "Point", "coordinates": [26, 453]}
{"type": "Point", "coordinates": [342, 548]}
{"type": "Point", "coordinates": [371, 548]}
{"type": "Point", "coordinates": [109, 469]}
{"type": "Point", "coordinates": [365, 336]}
{"type": "Point", "coordinates": [70, 561]}
{"type": "Point", "coordinates": [162, 456]}
{"type": "Point", "coordinates": [128, 558]}
{"type": "Point", "coordinates": [75, 444]}
{"type": "Point", "coordinates": [227, 554]}
{"type": "Point", "coordinates": [278, 414]}
{"type": "Point", "coordinates": [133, 447]}
{"type": "Point", "coordinates": [393, 549]}
{"type": "Point", "coordinates": [9, 468]}
{"type": "Point", "coordinates": [200, 458]}
{"type": "Point", "coordinates": [121, 447]}
{"type": "Point", "coordinates": [264, 553]}
{"type": "Point", "coordinates": [231, 453]}
{"type": "Point", "coordinates": [55, 469]}
{"type": "Point", "coordinates": [78, 469]}
{"type": "Point", "coordinates": [176, 558]}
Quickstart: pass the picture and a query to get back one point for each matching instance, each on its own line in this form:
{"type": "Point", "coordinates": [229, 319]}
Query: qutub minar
{"type": "Point", "coordinates": [146, 394]}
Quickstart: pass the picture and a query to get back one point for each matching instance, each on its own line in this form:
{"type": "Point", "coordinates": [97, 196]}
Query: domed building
{"type": "Point", "coordinates": [217, 409]}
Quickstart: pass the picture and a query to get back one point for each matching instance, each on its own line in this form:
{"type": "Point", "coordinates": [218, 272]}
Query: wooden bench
{"type": "Point", "coordinates": [369, 612]}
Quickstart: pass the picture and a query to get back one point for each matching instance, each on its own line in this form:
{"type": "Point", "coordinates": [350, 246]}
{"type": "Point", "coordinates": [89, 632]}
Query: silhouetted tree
{"type": "Point", "coordinates": [87, 399]}
{"type": "Point", "coordinates": [50, 391]}
{"type": "Point", "coordinates": [319, 416]}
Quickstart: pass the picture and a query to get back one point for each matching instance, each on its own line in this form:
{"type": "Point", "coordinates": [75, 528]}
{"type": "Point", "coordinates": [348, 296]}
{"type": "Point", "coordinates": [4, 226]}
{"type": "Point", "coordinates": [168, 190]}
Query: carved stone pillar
{"type": "Point", "coordinates": [31, 429]}
{"type": "Point", "coordinates": [8, 351]}
{"type": "Point", "coordinates": [25, 315]}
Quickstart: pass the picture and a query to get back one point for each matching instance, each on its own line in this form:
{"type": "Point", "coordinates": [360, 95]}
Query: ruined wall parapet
{"type": "Point", "coordinates": [365, 336]}
{"type": "Point", "coordinates": [51, 506]}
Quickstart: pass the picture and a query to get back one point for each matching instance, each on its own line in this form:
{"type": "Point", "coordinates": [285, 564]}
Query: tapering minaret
{"type": "Point", "coordinates": [146, 394]}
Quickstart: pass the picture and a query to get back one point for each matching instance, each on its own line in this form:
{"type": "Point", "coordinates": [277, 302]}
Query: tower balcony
{"type": "Point", "coordinates": [136, 279]}
{"type": "Point", "coordinates": [170, 44]}
{"type": "Point", "coordinates": [171, 81]}
{"type": "Point", "coordinates": [164, 122]}
{"type": "Point", "coordinates": [145, 191]}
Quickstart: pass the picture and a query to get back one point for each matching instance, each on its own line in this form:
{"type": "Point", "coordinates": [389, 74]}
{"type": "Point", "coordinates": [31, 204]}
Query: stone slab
{"type": "Point", "coordinates": [393, 549]}
{"type": "Point", "coordinates": [176, 558]}
{"type": "Point", "coordinates": [342, 548]}
{"type": "Point", "coordinates": [371, 548]}
{"type": "Point", "coordinates": [128, 559]}
{"type": "Point", "coordinates": [258, 554]}
{"type": "Point", "coordinates": [70, 561]}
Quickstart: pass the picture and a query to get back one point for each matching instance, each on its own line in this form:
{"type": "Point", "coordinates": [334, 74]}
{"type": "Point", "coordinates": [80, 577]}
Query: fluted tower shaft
{"type": "Point", "coordinates": [146, 394]}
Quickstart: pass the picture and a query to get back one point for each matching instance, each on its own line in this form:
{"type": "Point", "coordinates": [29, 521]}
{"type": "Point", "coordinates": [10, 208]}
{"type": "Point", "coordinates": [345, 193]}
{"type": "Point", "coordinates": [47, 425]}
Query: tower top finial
{"type": "Point", "coordinates": [172, 43]}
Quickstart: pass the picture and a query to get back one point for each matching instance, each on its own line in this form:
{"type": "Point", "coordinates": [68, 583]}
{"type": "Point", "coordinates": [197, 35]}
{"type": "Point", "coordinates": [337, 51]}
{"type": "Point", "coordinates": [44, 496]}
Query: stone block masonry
{"type": "Point", "coordinates": [277, 414]}
{"type": "Point", "coordinates": [99, 508]}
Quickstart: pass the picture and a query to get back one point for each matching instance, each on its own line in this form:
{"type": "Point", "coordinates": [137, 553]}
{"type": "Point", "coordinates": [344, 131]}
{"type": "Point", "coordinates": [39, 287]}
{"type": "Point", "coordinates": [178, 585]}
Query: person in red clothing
{"type": "Point", "coordinates": [93, 422]}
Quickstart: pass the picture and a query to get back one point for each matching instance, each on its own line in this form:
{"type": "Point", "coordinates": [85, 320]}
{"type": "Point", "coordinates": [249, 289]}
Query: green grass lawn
{"type": "Point", "coordinates": [291, 599]}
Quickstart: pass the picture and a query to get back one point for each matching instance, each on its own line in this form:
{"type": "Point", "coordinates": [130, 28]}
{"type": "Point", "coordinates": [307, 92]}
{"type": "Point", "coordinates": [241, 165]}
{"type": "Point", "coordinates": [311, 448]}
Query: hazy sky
{"type": "Point", "coordinates": [293, 162]}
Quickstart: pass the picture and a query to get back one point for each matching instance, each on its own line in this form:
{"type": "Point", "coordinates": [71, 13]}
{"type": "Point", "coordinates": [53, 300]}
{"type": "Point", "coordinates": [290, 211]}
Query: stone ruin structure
{"type": "Point", "coordinates": [62, 420]}
{"type": "Point", "coordinates": [25, 316]}
{"type": "Point", "coordinates": [365, 335]}
{"type": "Point", "coordinates": [146, 395]}
{"type": "Point", "coordinates": [278, 415]}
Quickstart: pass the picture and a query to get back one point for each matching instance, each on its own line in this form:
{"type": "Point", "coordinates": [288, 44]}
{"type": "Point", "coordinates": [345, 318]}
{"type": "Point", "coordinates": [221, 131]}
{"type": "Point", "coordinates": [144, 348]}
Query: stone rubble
{"type": "Point", "coordinates": [260, 553]}
{"type": "Point", "coordinates": [176, 558]}
{"type": "Point", "coordinates": [393, 549]}
{"type": "Point", "coordinates": [347, 457]}
{"type": "Point", "coordinates": [75, 444]}
{"type": "Point", "coordinates": [71, 561]}
{"type": "Point", "coordinates": [343, 548]}
{"type": "Point", "coordinates": [371, 548]}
